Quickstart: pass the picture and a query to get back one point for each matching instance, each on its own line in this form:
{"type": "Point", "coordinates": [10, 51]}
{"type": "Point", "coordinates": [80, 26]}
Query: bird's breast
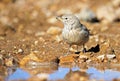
{"type": "Point", "coordinates": [74, 36]}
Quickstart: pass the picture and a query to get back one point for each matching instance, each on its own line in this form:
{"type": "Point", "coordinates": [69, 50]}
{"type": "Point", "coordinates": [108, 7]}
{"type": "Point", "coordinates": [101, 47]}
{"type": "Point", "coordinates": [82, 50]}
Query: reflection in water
{"type": "Point", "coordinates": [17, 75]}
{"type": "Point", "coordinates": [61, 73]}
{"type": "Point", "coordinates": [107, 75]}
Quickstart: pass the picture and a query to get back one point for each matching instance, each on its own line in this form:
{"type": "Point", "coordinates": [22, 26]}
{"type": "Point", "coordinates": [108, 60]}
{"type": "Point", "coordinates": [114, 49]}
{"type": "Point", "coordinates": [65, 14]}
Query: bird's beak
{"type": "Point", "coordinates": [59, 18]}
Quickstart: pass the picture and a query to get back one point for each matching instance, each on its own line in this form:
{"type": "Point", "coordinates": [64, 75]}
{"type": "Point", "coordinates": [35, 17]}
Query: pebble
{"type": "Point", "coordinates": [29, 59]}
{"type": "Point", "coordinates": [20, 50]}
{"type": "Point", "coordinates": [108, 13]}
{"type": "Point", "coordinates": [41, 33]}
{"type": "Point", "coordinates": [109, 56]}
{"type": "Point", "coordinates": [41, 39]}
{"type": "Point", "coordinates": [36, 42]}
{"type": "Point", "coordinates": [86, 15]}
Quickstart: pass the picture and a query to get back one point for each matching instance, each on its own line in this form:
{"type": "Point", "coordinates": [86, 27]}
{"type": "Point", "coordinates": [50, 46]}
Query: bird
{"type": "Point", "coordinates": [74, 33]}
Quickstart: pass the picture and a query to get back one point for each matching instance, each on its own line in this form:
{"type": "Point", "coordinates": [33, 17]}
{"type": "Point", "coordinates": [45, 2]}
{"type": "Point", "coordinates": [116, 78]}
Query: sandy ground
{"type": "Point", "coordinates": [26, 37]}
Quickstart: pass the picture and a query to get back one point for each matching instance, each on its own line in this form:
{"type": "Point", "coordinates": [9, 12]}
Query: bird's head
{"type": "Point", "coordinates": [68, 19]}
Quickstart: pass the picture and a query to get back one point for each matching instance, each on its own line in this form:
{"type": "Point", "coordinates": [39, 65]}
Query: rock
{"type": "Point", "coordinates": [10, 61]}
{"type": "Point", "coordinates": [68, 59]}
{"type": "Point", "coordinates": [108, 56]}
{"type": "Point", "coordinates": [41, 39]}
{"type": "Point", "coordinates": [107, 14]}
{"type": "Point", "coordinates": [83, 57]}
{"type": "Point", "coordinates": [39, 33]}
{"type": "Point", "coordinates": [36, 42]}
{"type": "Point", "coordinates": [86, 15]}
{"type": "Point", "coordinates": [54, 30]}
{"type": "Point", "coordinates": [20, 51]}
{"type": "Point", "coordinates": [30, 59]}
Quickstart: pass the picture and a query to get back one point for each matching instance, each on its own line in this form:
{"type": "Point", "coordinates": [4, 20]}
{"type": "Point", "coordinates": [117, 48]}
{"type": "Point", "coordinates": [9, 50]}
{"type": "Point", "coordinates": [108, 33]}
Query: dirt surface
{"type": "Point", "coordinates": [26, 37]}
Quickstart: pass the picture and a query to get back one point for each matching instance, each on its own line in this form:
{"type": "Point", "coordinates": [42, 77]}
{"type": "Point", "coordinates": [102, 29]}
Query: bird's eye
{"type": "Point", "coordinates": [66, 18]}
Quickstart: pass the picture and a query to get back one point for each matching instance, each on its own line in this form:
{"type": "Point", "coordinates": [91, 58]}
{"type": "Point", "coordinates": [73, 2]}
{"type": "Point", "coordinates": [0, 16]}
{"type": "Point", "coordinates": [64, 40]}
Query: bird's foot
{"type": "Point", "coordinates": [84, 50]}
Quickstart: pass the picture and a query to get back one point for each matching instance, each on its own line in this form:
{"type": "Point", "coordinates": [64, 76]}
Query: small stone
{"type": "Point", "coordinates": [83, 56]}
{"type": "Point", "coordinates": [54, 30]}
{"type": "Point", "coordinates": [41, 39]}
{"type": "Point", "coordinates": [108, 56]}
{"type": "Point", "coordinates": [88, 61]}
{"type": "Point", "coordinates": [30, 59]}
{"type": "Point", "coordinates": [68, 59]}
{"type": "Point", "coordinates": [106, 14]}
{"type": "Point", "coordinates": [72, 49]}
{"type": "Point", "coordinates": [20, 50]}
{"type": "Point", "coordinates": [36, 42]}
{"type": "Point", "coordinates": [40, 33]}
{"type": "Point", "coordinates": [9, 61]}
{"type": "Point", "coordinates": [101, 57]}
{"type": "Point", "coordinates": [35, 51]}
{"type": "Point", "coordinates": [86, 15]}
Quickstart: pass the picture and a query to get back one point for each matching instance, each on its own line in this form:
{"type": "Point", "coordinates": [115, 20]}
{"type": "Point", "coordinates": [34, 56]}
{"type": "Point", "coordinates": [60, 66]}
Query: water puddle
{"type": "Point", "coordinates": [56, 73]}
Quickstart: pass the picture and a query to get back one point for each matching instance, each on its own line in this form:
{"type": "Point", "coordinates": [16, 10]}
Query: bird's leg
{"type": "Point", "coordinates": [68, 49]}
{"type": "Point", "coordinates": [77, 52]}
{"type": "Point", "coordinates": [77, 48]}
{"type": "Point", "coordinates": [84, 49]}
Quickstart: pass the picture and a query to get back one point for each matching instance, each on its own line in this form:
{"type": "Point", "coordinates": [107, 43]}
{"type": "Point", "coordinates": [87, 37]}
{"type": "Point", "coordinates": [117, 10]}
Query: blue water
{"type": "Point", "coordinates": [60, 73]}
{"type": "Point", "coordinates": [18, 75]}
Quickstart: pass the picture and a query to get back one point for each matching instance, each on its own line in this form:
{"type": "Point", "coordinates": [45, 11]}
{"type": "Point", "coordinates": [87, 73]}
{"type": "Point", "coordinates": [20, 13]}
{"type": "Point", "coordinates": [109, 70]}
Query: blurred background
{"type": "Point", "coordinates": [30, 16]}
